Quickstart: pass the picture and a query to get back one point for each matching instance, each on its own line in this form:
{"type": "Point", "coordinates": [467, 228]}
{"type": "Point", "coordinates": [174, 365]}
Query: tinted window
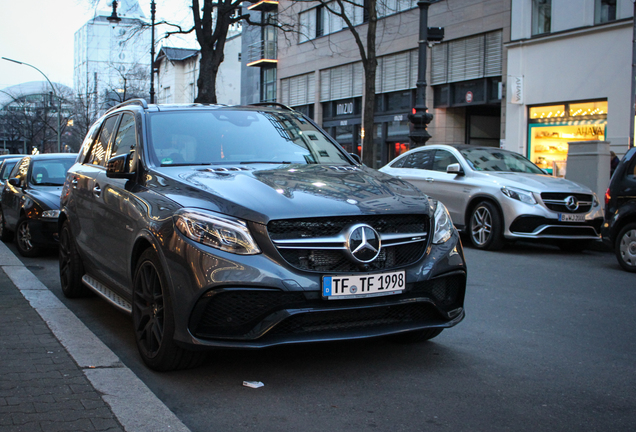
{"type": "Point", "coordinates": [6, 169]}
{"type": "Point", "coordinates": [50, 172]}
{"type": "Point", "coordinates": [419, 160]}
{"type": "Point", "coordinates": [442, 160]}
{"type": "Point", "coordinates": [493, 159]}
{"type": "Point", "coordinates": [234, 137]}
{"type": "Point", "coordinates": [98, 151]}
{"type": "Point", "coordinates": [126, 138]}
{"type": "Point", "coordinates": [21, 169]}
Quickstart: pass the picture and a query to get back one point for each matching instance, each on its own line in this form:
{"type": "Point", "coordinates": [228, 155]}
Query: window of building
{"type": "Point", "coordinates": [541, 16]}
{"type": "Point", "coordinates": [299, 90]}
{"type": "Point", "coordinates": [604, 11]}
{"type": "Point", "coordinates": [268, 85]}
{"type": "Point", "coordinates": [320, 21]}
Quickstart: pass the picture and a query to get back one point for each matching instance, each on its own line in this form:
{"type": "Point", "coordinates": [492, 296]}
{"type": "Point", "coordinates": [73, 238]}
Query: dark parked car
{"type": "Point", "coordinates": [619, 229]}
{"type": "Point", "coordinates": [6, 165]}
{"type": "Point", "coordinates": [249, 227]}
{"type": "Point", "coordinates": [31, 201]}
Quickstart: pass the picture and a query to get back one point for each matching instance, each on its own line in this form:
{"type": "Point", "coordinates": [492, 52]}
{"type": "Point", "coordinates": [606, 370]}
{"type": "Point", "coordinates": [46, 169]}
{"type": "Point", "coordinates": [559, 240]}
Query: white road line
{"type": "Point", "coordinates": [135, 406]}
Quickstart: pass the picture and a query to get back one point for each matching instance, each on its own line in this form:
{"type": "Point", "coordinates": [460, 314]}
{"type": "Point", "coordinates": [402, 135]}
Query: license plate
{"type": "Point", "coordinates": [368, 285]}
{"type": "Point", "coordinates": [568, 217]}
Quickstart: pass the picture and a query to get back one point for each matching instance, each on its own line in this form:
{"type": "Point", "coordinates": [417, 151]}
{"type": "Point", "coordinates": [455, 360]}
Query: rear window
{"type": "Point", "coordinates": [238, 137]}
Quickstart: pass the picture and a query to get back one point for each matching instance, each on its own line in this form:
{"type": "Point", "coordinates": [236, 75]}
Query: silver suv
{"type": "Point", "coordinates": [494, 195]}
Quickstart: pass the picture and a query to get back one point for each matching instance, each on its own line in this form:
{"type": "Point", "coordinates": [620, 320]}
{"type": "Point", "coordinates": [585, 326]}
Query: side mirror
{"type": "Point", "coordinates": [356, 158]}
{"type": "Point", "coordinates": [14, 182]}
{"type": "Point", "coordinates": [120, 166]}
{"type": "Point", "coordinates": [455, 168]}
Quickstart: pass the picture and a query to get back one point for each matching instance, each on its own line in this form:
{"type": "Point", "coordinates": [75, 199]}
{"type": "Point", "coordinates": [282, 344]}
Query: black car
{"type": "Point", "coordinates": [249, 227]}
{"type": "Point", "coordinates": [30, 203]}
{"type": "Point", "coordinates": [6, 165]}
{"type": "Point", "coordinates": [619, 229]}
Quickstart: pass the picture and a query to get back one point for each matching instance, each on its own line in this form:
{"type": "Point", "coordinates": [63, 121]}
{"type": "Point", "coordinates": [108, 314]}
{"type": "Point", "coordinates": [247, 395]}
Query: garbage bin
{"type": "Point", "coordinates": [589, 164]}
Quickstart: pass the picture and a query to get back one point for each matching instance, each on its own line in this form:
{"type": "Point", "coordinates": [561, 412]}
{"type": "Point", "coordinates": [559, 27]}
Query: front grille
{"type": "Point", "coordinates": [238, 313]}
{"type": "Point", "coordinates": [318, 258]}
{"type": "Point", "coordinates": [555, 201]}
{"type": "Point", "coordinates": [529, 224]}
{"type": "Point", "coordinates": [357, 319]}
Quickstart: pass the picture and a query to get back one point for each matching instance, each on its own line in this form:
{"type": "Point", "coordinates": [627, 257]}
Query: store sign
{"type": "Point", "coordinates": [590, 131]}
{"type": "Point", "coordinates": [515, 87]}
{"type": "Point", "coordinates": [344, 108]}
{"type": "Point", "coordinates": [398, 118]}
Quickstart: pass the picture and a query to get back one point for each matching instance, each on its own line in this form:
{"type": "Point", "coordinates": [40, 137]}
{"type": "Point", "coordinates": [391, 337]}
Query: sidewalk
{"type": "Point", "coordinates": [56, 375]}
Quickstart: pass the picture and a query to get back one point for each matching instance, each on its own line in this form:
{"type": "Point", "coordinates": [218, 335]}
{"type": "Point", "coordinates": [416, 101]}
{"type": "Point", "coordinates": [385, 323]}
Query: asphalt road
{"type": "Point", "coordinates": [547, 345]}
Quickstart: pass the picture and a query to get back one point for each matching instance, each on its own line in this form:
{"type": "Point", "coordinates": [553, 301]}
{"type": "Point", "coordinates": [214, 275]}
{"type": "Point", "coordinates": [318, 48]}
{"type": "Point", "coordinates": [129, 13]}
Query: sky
{"type": "Point", "coordinates": [40, 32]}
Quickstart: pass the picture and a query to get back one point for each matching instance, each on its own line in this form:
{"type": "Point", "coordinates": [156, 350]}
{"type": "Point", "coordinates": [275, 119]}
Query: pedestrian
{"type": "Point", "coordinates": [614, 161]}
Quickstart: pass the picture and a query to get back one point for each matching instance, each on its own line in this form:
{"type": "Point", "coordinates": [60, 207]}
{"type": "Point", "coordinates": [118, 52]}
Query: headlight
{"type": "Point", "coordinates": [52, 214]}
{"type": "Point", "coordinates": [596, 203]}
{"type": "Point", "coordinates": [221, 232]}
{"type": "Point", "coordinates": [519, 194]}
{"type": "Point", "coordinates": [443, 224]}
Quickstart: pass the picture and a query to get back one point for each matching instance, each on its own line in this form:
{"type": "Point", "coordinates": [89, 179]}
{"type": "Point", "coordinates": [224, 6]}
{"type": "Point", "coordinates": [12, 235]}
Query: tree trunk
{"type": "Point", "coordinates": [369, 151]}
{"type": "Point", "coordinates": [208, 70]}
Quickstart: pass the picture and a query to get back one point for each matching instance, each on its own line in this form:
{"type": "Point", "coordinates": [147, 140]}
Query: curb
{"type": "Point", "coordinates": [134, 405]}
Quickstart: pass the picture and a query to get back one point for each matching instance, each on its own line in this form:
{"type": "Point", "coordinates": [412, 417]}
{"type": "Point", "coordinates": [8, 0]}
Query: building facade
{"type": "Point", "coordinates": [569, 77]}
{"type": "Point", "coordinates": [112, 59]}
{"type": "Point", "coordinates": [318, 71]}
{"type": "Point", "coordinates": [177, 72]}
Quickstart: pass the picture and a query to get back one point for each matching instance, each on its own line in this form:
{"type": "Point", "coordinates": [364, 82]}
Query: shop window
{"type": "Point", "coordinates": [399, 101]}
{"type": "Point", "coordinates": [541, 16]}
{"type": "Point", "coordinates": [268, 85]}
{"type": "Point", "coordinates": [550, 111]}
{"type": "Point", "coordinates": [588, 108]}
{"type": "Point", "coordinates": [604, 11]}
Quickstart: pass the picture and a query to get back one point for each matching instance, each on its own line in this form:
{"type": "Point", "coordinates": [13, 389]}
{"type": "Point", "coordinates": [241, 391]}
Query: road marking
{"type": "Point", "coordinates": [133, 403]}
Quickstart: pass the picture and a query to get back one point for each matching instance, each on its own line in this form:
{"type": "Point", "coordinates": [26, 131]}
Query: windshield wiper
{"type": "Point", "coordinates": [266, 162]}
{"type": "Point", "coordinates": [185, 164]}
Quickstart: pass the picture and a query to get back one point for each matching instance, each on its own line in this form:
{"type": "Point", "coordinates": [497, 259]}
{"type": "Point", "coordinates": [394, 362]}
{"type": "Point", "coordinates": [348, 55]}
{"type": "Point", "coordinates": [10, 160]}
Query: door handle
{"type": "Point", "coordinates": [97, 191]}
{"type": "Point", "coordinates": [429, 179]}
{"type": "Point", "coordinates": [74, 182]}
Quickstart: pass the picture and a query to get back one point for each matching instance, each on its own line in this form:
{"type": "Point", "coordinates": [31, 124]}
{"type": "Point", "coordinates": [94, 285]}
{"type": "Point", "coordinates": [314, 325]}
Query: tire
{"type": "Point", "coordinates": [415, 336]}
{"type": "Point", "coordinates": [71, 267]}
{"type": "Point", "coordinates": [625, 247]}
{"type": "Point", "coordinates": [5, 234]}
{"type": "Point", "coordinates": [573, 245]}
{"type": "Point", "coordinates": [485, 227]}
{"type": "Point", "coordinates": [153, 319]}
{"type": "Point", "coordinates": [23, 239]}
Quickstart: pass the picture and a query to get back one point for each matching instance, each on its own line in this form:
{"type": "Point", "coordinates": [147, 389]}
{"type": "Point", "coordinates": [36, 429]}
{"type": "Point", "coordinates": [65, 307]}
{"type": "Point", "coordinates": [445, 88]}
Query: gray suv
{"type": "Point", "coordinates": [249, 227]}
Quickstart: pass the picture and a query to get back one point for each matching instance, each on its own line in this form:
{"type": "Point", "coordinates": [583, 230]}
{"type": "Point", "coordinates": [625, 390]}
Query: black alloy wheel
{"type": "Point", "coordinates": [485, 227]}
{"type": "Point", "coordinates": [153, 319]}
{"type": "Point", "coordinates": [24, 239]}
{"type": "Point", "coordinates": [415, 336]}
{"type": "Point", "coordinates": [5, 234]}
{"type": "Point", "coordinates": [625, 247]}
{"type": "Point", "coordinates": [71, 267]}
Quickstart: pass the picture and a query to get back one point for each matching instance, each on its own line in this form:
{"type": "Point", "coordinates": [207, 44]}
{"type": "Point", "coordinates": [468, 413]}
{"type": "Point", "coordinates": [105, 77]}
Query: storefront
{"type": "Point", "coordinates": [551, 127]}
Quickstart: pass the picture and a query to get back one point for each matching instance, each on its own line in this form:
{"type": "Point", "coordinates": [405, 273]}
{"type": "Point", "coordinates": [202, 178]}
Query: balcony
{"type": "Point", "coordinates": [262, 54]}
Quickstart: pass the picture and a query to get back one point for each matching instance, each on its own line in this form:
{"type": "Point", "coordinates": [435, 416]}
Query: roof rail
{"type": "Point", "coordinates": [274, 104]}
{"type": "Point", "coordinates": [138, 101]}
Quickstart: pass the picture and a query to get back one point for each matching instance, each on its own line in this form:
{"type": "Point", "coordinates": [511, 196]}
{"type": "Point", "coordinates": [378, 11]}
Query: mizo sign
{"type": "Point", "coordinates": [344, 108]}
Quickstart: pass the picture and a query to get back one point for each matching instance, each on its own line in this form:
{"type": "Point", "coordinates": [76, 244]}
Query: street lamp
{"type": "Point", "coordinates": [59, 102]}
{"type": "Point", "coordinates": [420, 117]}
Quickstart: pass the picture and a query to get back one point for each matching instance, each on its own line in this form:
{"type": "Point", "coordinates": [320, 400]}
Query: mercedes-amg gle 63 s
{"type": "Point", "coordinates": [248, 227]}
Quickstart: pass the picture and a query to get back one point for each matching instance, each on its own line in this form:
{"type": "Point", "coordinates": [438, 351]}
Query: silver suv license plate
{"type": "Point", "coordinates": [357, 286]}
{"type": "Point", "coordinates": [569, 217]}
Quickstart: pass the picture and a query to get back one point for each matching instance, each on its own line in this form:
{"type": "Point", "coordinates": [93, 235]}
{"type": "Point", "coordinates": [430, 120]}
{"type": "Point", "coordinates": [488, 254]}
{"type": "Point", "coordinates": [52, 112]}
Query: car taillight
{"type": "Point", "coordinates": [607, 196]}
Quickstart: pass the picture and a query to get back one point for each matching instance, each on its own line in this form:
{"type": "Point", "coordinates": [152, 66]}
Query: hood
{"type": "Point", "coordinates": [536, 182]}
{"type": "Point", "coordinates": [47, 196]}
{"type": "Point", "coordinates": [264, 192]}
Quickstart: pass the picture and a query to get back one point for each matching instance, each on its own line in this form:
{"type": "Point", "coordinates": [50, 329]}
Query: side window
{"type": "Point", "coordinates": [98, 151]}
{"type": "Point", "coordinates": [442, 160]}
{"type": "Point", "coordinates": [399, 163]}
{"type": "Point", "coordinates": [420, 160]}
{"type": "Point", "coordinates": [126, 139]}
{"type": "Point", "coordinates": [21, 169]}
{"type": "Point", "coordinates": [88, 142]}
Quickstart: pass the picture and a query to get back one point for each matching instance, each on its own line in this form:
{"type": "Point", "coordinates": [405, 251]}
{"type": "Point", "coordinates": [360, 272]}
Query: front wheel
{"type": "Point", "coordinates": [625, 247]}
{"type": "Point", "coordinates": [486, 227]}
{"type": "Point", "coordinates": [153, 319]}
{"type": "Point", "coordinates": [24, 239]}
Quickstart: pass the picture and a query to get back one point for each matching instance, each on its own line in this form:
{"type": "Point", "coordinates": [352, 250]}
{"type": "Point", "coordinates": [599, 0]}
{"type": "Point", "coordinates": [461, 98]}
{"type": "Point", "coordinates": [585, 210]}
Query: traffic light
{"type": "Point", "coordinates": [419, 119]}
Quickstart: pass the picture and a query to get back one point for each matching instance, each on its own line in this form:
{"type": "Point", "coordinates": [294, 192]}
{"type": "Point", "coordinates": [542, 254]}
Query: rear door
{"type": "Point", "coordinates": [13, 196]}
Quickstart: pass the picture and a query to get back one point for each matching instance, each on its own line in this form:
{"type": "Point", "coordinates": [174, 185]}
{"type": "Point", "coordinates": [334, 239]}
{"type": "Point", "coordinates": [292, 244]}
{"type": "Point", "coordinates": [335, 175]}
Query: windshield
{"type": "Point", "coordinates": [238, 137]}
{"type": "Point", "coordinates": [50, 172]}
{"type": "Point", "coordinates": [494, 159]}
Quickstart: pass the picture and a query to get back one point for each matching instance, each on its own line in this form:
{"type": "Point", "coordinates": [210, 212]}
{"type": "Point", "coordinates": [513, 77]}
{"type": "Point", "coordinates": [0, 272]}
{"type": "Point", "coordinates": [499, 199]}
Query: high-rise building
{"type": "Point", "coordinates": [112, 58]}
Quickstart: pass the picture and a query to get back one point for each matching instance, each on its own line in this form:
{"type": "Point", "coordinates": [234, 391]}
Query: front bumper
{"type": "Point", "coordinates": [257, 301]}
{"type": "Point", "coordinates": [44, 232]}
{"type": "Point", "coordinates": [537, 227]}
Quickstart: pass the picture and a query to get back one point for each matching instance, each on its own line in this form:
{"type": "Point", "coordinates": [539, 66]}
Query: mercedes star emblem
{"type": "Point", "coordinates": [363, 243]}
{"type": "Point", "coordinates": [571, 203]}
